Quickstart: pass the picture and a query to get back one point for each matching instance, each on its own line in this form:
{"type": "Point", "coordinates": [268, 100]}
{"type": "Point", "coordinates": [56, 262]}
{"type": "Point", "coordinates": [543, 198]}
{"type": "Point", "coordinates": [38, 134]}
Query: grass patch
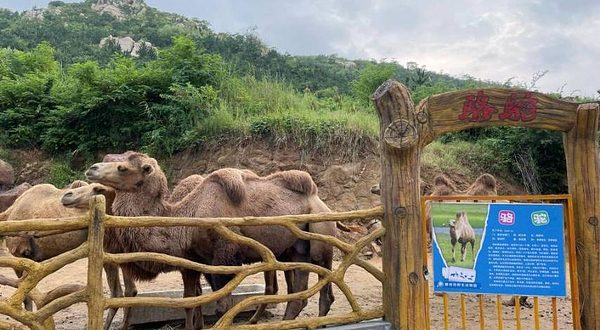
{"type": "Point", "coordinates": [465, 158]}
{"type": "Point", "coordinates": [442, 212]}
{"type": "Point", "coordinates": [61, 173]}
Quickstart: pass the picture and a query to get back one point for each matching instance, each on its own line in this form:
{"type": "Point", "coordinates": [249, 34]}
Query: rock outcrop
{"type": "Point", "coordinates": [7, 175]}
{"type": "Point", "coordinates": [127, 44]}
{"type": "Point", "coordinates": [116, 7]}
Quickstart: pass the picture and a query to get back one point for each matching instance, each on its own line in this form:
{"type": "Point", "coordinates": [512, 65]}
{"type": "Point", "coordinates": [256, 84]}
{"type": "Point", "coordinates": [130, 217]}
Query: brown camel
{"type": "Point", "coordinates": [44, 201]}
{"type": "Point", "coordinates": [7, 198]}
{"type": "Point", "coordinates": [140, 186]}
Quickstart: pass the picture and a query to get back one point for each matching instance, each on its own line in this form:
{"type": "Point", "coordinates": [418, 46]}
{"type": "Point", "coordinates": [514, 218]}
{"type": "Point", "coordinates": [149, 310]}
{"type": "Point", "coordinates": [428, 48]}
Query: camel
{"type": "Point", "coordinates": [46, 201]}
{"type": "Point", "coordinates": [7, 198]}
{"type": "Point", "coordinates": [461, 232]}
{"type": "Point", "coordinates": [140, 186]}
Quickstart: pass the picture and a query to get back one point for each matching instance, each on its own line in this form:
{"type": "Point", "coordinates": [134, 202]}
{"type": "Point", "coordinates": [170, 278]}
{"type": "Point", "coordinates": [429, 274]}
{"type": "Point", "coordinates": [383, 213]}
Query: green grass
{"type": "Point", "coordinates": [442, 212]}
{"type": "Point", "coordinates": [60, 173]}
{"type": "Point", "coordinates": [465, 158]}
{"type": "Point", "coordinates": [443, 240]}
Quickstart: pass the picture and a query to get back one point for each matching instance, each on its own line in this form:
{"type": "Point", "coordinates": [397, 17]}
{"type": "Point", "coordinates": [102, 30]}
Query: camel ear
{"type": "Point", "coordinates": [147, 169]}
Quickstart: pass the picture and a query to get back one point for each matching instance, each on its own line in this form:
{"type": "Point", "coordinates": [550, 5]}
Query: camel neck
{"type": "Point", "coordinates": [135, 204]}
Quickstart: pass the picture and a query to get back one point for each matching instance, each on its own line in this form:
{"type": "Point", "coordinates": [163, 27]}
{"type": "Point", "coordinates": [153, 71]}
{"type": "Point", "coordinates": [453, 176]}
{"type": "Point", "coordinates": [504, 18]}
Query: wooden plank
{"type": "Point", "coordinates": [403, 290]}
{"type": "Point", "coordinates": [95, 263]}
{"type": "Point", "coordinates": [121, 222]}
{"type": "Point", "coordinates": [583, 172]}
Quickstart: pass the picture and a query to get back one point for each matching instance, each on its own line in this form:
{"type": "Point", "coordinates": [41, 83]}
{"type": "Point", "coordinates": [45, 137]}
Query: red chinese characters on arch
{"type": "Point", "coordinates": [523, 109]}
{"type": "Point", "coordinates": [477, 109]}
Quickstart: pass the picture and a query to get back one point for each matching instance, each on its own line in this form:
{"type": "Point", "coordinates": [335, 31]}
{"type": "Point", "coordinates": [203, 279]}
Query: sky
{"type": "Point", "coordinates": [495, 40]}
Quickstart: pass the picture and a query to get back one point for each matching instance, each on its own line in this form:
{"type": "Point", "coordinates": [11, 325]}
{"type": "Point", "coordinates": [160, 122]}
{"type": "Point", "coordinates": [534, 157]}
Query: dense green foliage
{"type": "Point", "coordinates": [62, 92]}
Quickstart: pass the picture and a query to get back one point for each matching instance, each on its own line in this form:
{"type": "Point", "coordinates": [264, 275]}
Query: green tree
{"type": "Point", "coordinates": [370, 79]}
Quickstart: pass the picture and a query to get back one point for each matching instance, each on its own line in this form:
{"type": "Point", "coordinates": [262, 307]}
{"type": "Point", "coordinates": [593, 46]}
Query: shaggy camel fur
{"type": "Point", "coordinates": [140, 186]}
{"type": "Point", "coordinates": [461, 232]}
{"type": "Point", "coordinates": [7, 198]}
{"type": "Point", "coordinates": [184, 187]}
{"type": "Point", "coordinates": [44, 201]}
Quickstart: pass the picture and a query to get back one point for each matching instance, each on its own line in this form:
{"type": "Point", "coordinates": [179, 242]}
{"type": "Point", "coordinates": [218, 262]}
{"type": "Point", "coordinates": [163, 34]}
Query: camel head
{"type": "Point", "coordinates": [80, 197]}
{"type": "Point", "coordinates": [452, 223]}
{"type": "Point", "coordinates": [135, 172]}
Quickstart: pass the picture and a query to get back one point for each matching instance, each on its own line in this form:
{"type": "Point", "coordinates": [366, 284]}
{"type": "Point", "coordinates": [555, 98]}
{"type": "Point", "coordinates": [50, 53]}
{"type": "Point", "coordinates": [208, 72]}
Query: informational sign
{"type": "Point", "coordinates": [509, 249]}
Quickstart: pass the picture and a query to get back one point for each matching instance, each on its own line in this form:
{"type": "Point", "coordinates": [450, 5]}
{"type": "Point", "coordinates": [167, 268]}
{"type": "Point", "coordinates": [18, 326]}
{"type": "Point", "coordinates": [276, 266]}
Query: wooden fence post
{"type": "Point", "coordinates": [583, 172]}
{"type": "Point", "coordinates": [401, 141]}
{"type": "Point", "coordinates": [95, 262]}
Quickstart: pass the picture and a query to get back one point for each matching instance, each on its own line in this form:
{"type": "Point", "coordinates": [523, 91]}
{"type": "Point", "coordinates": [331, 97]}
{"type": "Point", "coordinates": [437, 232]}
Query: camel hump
{"type": "Point", "coordinates": [442, 186]}
{"type": "Point", "coordinates": [232, 182]}
{"type": "Point", "coordinates": [298, 181]}
{"type": "Point", "coordinates": [76, 184]}
{"type": "Point", "coordinates": [486, 180]}
{"type": "Point", "coordinates": [484, 185]}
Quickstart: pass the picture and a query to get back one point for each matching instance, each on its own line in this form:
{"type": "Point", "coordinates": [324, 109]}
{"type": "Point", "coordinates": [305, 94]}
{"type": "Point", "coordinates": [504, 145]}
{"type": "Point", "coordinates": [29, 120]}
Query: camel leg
{"type": "Point", "coordinates": [300, 283]}
{"type": "Point", "coordinates": [289, 281]}
{"type": "Point", "coordinates": [453, 253]}
{"type": "Point", "coordinates": [130, 291]}
{"type": "Point", "coordinates": [473, 250]}
{"type": "Point", "coordinates": [326, 297]}
{"type": "Point", "coordinates": [27, 303]}
{"type": "Point", "coordinates": [271, 288]}
{"type": "Point", "coordinates": [463, 251]}
{"type": "Point", "coordinates": [193, 316]}
{"type": "Point", "coordinates": [112, 277]}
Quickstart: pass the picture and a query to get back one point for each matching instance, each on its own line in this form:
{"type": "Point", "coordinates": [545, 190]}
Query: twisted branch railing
{"type": "Point", "coordinates": [96, 221]}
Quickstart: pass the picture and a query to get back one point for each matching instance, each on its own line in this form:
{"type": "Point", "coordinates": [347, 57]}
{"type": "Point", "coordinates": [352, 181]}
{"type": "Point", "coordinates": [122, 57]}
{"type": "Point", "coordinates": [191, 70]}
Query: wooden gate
{"type": "Point", "coordinates": [406, 129]}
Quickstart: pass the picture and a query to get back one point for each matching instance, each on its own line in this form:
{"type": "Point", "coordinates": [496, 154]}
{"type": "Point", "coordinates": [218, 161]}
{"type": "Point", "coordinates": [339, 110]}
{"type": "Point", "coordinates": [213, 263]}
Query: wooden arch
{"type": "Point", "coordinates": [406, 129]}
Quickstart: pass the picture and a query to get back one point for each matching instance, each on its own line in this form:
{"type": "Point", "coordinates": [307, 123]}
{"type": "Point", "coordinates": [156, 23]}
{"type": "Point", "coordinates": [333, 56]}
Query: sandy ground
{"type": "Point", "coordinates": [365, 287]}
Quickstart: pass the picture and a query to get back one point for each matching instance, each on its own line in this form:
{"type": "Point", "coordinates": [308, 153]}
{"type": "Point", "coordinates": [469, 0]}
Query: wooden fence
{"type": "Point", "coordinates": [96, 222]}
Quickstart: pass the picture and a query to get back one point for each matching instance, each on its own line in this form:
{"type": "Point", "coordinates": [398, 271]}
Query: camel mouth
{"type": "Point", "coordinates": [67, 201]}
{"type": "Point", "coordinates": [92, 175]}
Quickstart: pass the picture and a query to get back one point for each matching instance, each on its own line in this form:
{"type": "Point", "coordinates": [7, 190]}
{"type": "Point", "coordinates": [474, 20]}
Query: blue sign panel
{"type": "Point", "coordinates": [510, 249]}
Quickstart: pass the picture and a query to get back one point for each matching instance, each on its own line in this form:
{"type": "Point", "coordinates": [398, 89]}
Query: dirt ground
{"type": "Point", "coordinates": [366, 289]}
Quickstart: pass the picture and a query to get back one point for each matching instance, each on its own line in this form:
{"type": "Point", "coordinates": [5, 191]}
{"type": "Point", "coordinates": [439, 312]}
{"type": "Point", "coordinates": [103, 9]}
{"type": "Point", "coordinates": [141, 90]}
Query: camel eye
{"type": "Point", "coordinates": [98, 190]}
{"type": "Point", "coordinates": [122, 169]}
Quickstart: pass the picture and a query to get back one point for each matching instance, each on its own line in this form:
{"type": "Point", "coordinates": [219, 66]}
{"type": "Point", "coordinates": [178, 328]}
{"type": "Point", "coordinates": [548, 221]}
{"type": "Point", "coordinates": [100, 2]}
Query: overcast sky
{"type": "Point", "coordinates": [493, 40]}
